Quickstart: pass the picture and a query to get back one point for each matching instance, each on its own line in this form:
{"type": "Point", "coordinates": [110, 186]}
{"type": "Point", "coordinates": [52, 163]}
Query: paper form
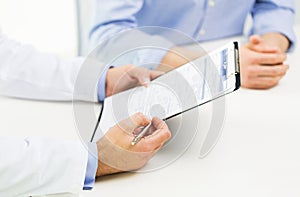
{"type": "Point", "coordinates": [178, 90]}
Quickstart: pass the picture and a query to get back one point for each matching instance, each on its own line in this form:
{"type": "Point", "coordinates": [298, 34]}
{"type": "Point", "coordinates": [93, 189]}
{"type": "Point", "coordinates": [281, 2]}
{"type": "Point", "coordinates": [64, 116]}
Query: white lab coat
{"type": "Point", "coordinates": [28, 73]}
{"type": "Point", "coordinates": [38, 166]}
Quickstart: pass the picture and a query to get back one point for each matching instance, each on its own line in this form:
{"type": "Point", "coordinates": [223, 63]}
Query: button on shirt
{"type": "Point", "coordinates": [201, 19]}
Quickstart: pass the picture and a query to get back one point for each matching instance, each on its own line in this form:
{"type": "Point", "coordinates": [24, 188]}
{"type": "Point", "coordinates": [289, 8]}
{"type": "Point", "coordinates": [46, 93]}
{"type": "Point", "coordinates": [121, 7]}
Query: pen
{"type": "Point", "coordinates": [137, 138]}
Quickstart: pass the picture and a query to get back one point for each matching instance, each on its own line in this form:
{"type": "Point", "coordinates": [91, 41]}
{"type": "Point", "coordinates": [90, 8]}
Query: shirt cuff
{"type": "Point", "coordinates": [91, 167]}
{"type": "Point", "coordinates": [102, 84]}
{"type": "Point", "coordinates": [266, 22]}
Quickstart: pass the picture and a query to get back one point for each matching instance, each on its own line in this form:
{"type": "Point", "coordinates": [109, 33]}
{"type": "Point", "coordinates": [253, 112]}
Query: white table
{"type": "Point", "coordinates": [258, 153]}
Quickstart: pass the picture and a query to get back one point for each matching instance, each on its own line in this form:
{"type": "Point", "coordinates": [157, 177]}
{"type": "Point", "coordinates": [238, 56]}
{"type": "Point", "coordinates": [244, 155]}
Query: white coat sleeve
{"type": "Point", "coordinates": [35, 166]}
{"type": "Point", "coordinates": [28, 73]}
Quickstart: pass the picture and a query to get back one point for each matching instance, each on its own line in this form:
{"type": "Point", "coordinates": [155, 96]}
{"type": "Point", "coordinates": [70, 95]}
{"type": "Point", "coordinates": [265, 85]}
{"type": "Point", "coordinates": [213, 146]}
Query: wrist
{"type": "Point", "coordinates": [108, 88]}
{"type": "Point", "coordinates": [278, 40]}
{"type": "Point", "coordinates": [104, 169]}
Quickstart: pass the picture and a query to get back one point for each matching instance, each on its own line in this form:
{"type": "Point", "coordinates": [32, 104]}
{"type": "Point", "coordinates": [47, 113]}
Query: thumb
{"type": "Point", "coordinates": [140, 74]}
{"type": "Point", "coordinates": [155, 73]}
{"type": "Point", "coordinates": [257, 43]}
{"type": "Point", "coordinates": [149, 75]}
{"type": "Point", "coordinates": [133, 122]}
{"type": "Point", "coordinates": [255, 39]}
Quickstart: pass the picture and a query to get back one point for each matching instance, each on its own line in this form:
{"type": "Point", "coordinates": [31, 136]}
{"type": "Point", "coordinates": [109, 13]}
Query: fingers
{"type": "Point", "coordinates": [156, 124]}
{"type": "Point", "coordinates": [256, 43]}
{"type": "Point", "coordinates": [155, 73]}
{"type": "Point", "coordinates": [143, 76]}
{"type": "Point", "coordinates": [140, 74]}
{"type": "Point", "coordinates": [156, 138]}
{"type": "Point", "coordinates": [263, 77]}
{"type": "Point", "coordinates": [268, 71]}
{"type": "Point", "coordinates": [263, 82]}
{"type": "Point", "coordinates": [269, 58]}
{"type": "Point", "coordinates": [130, 124]}
{"type": "Point", "coordinates": [159, 137]}
{"type": "Point", "coordinates": [144, 79]}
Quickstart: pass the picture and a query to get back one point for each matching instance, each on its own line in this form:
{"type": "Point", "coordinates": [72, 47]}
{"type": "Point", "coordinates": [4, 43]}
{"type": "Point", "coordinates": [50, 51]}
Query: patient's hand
{"type": "Point", "coordinates": [115, 152]}
{"type": "Point", "coordinates": [125, 77]}
{"type": "Point", "coordinates": [262, 64]}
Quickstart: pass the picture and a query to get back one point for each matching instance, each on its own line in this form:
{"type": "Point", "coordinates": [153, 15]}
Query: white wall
{"type": "Point", "coordinates": [297, 12]}
{"type": "Point", "coordinates": [86, 11]}
{"type": "Point", "coordinates": [50, 25]}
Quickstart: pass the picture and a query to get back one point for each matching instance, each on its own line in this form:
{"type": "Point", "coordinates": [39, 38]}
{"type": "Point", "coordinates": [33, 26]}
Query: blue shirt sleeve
{"type": "Point", "coordinates": [91, 167]}
{"type": "Point", "coordinates": [274, 16]}
{"type": "Point", "coordinates": [114, 17]}
{"type": "Point", "coordinates": [102, 84]}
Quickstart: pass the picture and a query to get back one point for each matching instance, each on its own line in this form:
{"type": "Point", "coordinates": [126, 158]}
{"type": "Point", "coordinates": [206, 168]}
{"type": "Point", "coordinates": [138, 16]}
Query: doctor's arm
{"type": "Point", "coordinates": [28, 73]}
{"type": "Point", "coordinates": [36, 167]}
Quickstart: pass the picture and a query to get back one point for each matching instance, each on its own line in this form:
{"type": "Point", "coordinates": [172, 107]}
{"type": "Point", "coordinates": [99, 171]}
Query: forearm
{"type": "Point", "coordinates": [178, 56]}
{"type": "Point", "coordinates": [277, 40]}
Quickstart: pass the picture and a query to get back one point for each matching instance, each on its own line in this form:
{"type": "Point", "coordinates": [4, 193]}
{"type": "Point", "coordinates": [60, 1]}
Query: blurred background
{"type": "Point", "coordinates": [54, 26]}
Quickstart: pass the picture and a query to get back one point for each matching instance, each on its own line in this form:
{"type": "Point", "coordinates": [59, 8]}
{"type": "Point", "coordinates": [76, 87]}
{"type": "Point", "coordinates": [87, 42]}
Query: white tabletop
{"type": "Point", "coordinates": [258, 153]}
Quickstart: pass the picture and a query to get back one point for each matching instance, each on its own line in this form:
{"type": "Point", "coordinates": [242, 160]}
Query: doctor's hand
{"type": "Point", "coordinates": [115, 152]}
{"type": "Point", "coordinates": [262, 63]}
{"type": "Point", "coordinates": [123, 78]}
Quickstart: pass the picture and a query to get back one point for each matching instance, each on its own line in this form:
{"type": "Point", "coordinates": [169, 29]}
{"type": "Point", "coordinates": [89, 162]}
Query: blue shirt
{"type": "Point", "coordinates": [201, 19]}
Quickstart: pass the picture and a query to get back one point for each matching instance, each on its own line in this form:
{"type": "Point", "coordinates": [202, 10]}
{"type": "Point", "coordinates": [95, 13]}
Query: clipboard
{"type": "Point", "coordinates": [221, 68]}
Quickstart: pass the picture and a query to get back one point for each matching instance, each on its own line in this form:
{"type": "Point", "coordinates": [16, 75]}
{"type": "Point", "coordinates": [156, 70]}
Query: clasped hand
{"type": "Point", "coordinates": [262, 65]}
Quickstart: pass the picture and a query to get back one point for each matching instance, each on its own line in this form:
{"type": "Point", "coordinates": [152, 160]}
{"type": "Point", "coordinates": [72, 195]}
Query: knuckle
{"type": "Point", "coordinates": [147, 147]}
{"type": "Point", "coordinates": [276, 71]}
{"type": "Point", "coordinates": [274, 58]}
{"type": "Point", "coordinates": [138, 115]}
{"type": "Point", "coordinates": [273, 82]}
{"type": "Point", "coordinates": [130, 68]}
{"type": "Point", "coordinates": [257, 58]}
{"type": "Point", "coordinates": [251, 71]}
{"type": "Point", "coordinates": [139, 118]}
{"type": "Point", "coordinates": [130, 65]}
{"type": "Point", "coordinates": [284, 56]}
{"type": "Point", "coordinates": [286, 67]}
{"type": "Point", "coordinates": [247, 78]}
{"type": "Point", "coordinates": [168, 134]}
